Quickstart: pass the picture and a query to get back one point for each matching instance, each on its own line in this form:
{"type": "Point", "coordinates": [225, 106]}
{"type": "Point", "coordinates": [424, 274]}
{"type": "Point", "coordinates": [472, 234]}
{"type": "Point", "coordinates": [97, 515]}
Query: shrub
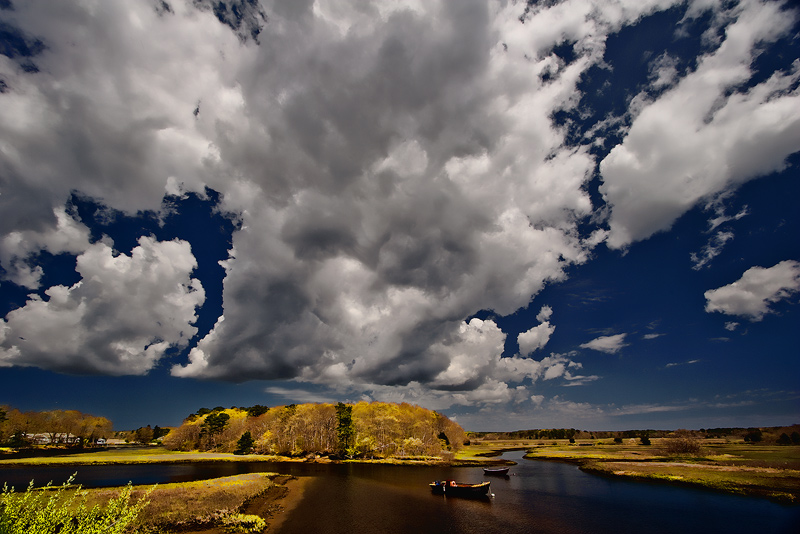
{"type": "Point", "coordinates": [682, 443]}
{"type": "Point", "coordinates": [753, 435]}
{"type": "Point", "coordinates": [244, 523]}
{"type": "Point", "coordinates": [41, 511]}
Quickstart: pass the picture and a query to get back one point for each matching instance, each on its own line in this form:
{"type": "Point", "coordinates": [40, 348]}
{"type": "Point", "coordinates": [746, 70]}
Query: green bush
{"type": "Point", "coordinates": [244, 523]}
{"type": "Point", "coordinates": [49, 511]}
{"type": "Point", "coordinates": [682, 443]}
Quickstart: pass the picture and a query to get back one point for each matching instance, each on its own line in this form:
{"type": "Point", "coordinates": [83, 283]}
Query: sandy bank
{"type": "Point", "coordinates": [277, 503]}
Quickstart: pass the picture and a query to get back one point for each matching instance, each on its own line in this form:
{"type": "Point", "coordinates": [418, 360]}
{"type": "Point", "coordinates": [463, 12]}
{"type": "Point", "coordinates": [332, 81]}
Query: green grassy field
{"type": "Point", "coordinates": [140, 456]}
{"type": "Point", "coordinates": [155, 455]}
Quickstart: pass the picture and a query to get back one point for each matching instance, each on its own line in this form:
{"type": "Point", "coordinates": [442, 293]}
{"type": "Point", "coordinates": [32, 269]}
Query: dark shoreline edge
{"type": "Point", "coordinates": [594, 467]}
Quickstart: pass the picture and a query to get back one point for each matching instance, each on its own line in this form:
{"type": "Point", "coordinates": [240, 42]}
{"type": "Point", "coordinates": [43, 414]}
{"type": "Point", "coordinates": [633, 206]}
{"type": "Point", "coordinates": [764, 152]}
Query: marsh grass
{"type": "Point", "coordinates": [735, 467]}
{"type": "Point", "coordinates": [150, 455]}
{"type": "Point", "coordinates": [214, 502]}
{"type": "Point", "coordinates": [778, 484]}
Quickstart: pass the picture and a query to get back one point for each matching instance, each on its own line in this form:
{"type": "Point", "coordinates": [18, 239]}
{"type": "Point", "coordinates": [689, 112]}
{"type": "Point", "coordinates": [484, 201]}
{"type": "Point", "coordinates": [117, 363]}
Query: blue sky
{"type": "Point", "coordinates": [555, 214]}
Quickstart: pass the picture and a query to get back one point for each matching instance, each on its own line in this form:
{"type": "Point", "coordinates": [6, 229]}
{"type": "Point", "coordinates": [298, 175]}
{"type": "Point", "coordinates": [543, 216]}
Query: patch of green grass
{"type": "Point", "coordinates": [202, 503]}
{"type": "Point", "coordinates": [136, 456]}
{"type": "Point", "coordinates": [751, 455]}
{"type": "Point", "coordinates": [780, 484]}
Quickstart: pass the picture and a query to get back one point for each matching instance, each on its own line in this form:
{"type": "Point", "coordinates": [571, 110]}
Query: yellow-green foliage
{"type": "Point", "coordinates": [388, 429]}
{"type": "Point", "coordinates": [381, 429]}
{"type": "Point", "coordinates": [60, 426]}
{"type": "Point", "coordinates": [208, 503]}
{"type": "Point", "coordinates": [190, 436]}
{"type": "Point", "coordinates": [40, 511]}
{"type": "Point", "coordinates": [244, 523]}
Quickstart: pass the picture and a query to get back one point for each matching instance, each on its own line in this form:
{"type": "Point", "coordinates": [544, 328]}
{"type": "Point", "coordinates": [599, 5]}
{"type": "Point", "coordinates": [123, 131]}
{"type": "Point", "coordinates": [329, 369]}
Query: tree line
{"type": "Point", "coordinates": [779, 435]}
{"type": "Point", "coordinates": [50, 427]}
{"type": "Point", "coordinates": [376, 429]}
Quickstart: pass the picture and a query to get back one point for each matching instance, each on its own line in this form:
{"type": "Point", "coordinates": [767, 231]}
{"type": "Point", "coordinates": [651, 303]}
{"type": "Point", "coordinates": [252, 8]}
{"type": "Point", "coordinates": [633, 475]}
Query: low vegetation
{"type": "Point", "coordinates": [218, 502]}
{"type": "Point", "coordinates": [64, 511]}
{"type": "Point", "coordinates": [163, 509]}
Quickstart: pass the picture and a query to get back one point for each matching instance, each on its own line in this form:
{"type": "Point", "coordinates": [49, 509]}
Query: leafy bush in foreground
{"type": "Point", "coordinates": [41, 511]}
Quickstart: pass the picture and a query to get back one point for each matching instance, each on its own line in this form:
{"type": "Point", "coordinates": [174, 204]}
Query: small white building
{"type": "Point", "coordinates": [43, 438]}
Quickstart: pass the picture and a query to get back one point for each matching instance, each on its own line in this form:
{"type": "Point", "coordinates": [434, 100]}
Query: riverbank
{"type": "Point", "coordinates": [254, 502]}
{"type": "Point", "coordinates": [770, 471]}
{"type": "Point", "coordinates": [156, 455]}
{"type": "Point", "coordinates": [143, 455]}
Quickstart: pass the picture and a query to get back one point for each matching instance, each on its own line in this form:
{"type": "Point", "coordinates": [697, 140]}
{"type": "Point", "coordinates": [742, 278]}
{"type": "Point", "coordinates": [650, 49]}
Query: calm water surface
{"type": "Point", "coordinates": [539, 497]}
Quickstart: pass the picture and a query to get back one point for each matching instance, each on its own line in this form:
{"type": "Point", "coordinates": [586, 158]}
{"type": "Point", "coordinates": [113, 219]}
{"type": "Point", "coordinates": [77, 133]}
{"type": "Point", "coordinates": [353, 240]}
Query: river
{"type": "Point", "coordinates": [538, 497]}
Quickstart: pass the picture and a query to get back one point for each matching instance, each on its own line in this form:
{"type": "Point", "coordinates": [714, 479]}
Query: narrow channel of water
{"type": "Point", "coordinates": [538, 497]}
{"type": "Point", "coordinates": [97, 476]}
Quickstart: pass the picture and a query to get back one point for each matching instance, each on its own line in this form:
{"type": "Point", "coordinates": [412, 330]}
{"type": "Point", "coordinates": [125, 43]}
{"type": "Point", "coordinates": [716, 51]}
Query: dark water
{"type": "Point", "coordinates": [96, 476]}
{"type": "Point", "coordinates": [539, 497]}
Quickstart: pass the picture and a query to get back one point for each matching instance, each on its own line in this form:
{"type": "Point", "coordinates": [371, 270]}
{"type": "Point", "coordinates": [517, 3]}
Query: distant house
{"type": "Point", "coordinates": [47, 439]}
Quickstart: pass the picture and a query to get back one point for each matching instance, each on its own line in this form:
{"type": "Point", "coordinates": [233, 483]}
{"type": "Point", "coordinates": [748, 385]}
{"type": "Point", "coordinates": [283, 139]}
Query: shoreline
{"type": "Point", "coordinates": [781, 486]}
{"type": "Point", "coordinates": [273, 506]}
{"type": "Point", "coordinates": [281, 506]}
{"type": "Point", "coordinates": [677, 475]}
{"type": "Point", "coordinates": [161, 456]}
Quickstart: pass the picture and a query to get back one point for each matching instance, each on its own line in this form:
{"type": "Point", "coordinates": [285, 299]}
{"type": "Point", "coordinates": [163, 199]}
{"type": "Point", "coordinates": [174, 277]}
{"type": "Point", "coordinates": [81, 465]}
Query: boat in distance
{"type": "Point", "coordinates": [495, 471]}
{"type": "Point", "coordinates": [460, 489]}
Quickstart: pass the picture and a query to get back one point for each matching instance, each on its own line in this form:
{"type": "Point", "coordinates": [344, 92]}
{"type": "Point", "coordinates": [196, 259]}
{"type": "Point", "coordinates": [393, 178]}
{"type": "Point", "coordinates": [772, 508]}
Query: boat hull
{"type": "Point", "coordinates": [501, 471]}
{"type": "Point", "coordinates": [459, 489]}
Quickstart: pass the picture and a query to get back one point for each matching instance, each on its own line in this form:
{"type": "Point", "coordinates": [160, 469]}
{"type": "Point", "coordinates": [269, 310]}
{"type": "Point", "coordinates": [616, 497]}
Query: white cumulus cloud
{"type": "Point", "coordinates": [119, 319]}
{"type": "Point", "coordinates": [752, 295]}
{"type": "Point", "coordinates": [393, 168]}
{"type": "Point", "coordinates": [538, 336]}
{"type": "Point", "coordinates": [701, 137]}
{"type": "Point", "coordinates": [607, 344]}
